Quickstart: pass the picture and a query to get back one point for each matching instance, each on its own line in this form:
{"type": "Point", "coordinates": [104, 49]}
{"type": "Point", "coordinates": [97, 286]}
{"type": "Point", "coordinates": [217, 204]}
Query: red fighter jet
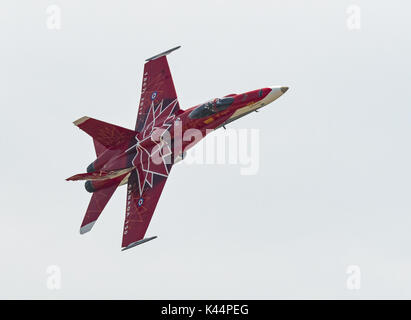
{"type": "Point", "coordinates": [142, 158]}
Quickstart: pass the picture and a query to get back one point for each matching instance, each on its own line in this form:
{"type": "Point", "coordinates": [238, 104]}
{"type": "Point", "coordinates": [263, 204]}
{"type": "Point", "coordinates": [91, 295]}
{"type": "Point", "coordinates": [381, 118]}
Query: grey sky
{"type": "Point", "coordinates": [333, 187]}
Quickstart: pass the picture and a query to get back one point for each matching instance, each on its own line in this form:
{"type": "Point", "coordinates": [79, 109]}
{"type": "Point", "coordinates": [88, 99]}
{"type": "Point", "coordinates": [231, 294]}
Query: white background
{"type": "Point", "coordinates": [333, 188]}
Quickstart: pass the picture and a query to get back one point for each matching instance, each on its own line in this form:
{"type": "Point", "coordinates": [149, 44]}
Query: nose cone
{"type": "Point", "coordinates": [275, 93]}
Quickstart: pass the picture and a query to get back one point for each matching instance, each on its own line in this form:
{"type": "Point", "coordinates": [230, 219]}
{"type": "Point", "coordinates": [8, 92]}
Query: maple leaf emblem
{"type": "Point", "coordinates": [152, 149]}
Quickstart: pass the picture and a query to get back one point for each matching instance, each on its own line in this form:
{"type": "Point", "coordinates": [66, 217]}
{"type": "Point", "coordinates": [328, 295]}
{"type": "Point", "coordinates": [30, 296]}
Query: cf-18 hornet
{"type": "Point", "coordinates": [142, 158]}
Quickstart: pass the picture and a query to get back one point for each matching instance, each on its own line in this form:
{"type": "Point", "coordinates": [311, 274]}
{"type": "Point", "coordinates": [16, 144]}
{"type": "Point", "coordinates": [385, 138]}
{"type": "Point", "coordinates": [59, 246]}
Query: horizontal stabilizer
{"type": "Point", "coordinates": [106, 134]}
{"type": "Point", "coordinates": [98, 175]}
{"type": "Point", "coordinates": [131, 245]}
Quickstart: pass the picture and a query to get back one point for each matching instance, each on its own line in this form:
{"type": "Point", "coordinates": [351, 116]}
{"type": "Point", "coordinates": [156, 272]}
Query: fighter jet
{"type": "Point", "coordinates": [142, 158]}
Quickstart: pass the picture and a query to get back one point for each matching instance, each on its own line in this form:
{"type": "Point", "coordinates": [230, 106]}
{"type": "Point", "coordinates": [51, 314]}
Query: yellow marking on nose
{"type": "Point", "coordinates": [208, 120]}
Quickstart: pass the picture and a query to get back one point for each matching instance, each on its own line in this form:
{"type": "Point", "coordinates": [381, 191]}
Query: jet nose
{"type": "Point", "coordinates": [275, 93]}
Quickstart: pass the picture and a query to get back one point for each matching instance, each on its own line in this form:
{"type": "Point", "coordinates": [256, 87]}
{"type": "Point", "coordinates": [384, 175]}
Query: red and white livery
{"type": "Point", "coordinates": [142, 158]}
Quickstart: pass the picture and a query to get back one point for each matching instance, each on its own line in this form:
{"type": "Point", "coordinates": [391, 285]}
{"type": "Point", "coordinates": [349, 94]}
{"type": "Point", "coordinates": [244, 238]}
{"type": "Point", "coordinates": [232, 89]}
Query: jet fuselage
{"type": "Point", "coordinates": [202, 118]}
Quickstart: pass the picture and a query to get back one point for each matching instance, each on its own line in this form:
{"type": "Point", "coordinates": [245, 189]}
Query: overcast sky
{"type": "Point", "coordinates": [333, 186]}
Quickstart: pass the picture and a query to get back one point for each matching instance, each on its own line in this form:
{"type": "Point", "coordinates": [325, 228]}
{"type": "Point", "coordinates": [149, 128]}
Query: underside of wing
{"type": "Point", "coordinates": [157, 90]}
{"type": "Point", "coordinates": [140, 209]}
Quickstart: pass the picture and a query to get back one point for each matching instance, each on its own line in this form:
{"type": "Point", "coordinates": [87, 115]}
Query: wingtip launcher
{"type": "Point", "coordinates": [163, 53]}
{"type": "Point", "coordinates": [131, 245]}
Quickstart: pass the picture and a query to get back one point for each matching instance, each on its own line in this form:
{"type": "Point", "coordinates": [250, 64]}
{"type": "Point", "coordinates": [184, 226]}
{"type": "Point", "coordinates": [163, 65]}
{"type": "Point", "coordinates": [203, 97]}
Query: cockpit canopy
{"type": "Point", "coordinates": [211, 107]}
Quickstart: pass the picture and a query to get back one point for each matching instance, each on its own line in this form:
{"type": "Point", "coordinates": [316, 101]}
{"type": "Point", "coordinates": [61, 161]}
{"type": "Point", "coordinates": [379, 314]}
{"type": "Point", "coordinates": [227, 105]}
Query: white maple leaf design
{"type": "Point", "coordinates": [157, 123]}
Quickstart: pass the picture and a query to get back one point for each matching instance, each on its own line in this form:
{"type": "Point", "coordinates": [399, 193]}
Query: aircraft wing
{"type": "Point", "coordinates": [157, 91]}
{"type": "Point", "coordinates": [157, 110]}
{"type": "Point", "coordinates": [140, 209]}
